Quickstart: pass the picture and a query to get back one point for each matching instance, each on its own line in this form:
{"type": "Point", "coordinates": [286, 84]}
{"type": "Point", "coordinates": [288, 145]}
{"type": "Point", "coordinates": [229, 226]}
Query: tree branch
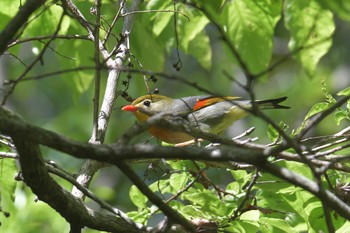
{"type": "Point", "coordinates": [72, 209]}
{"type": "Point", "coordinates": [89, 168]}
{"type": "Point", "coordinates": [115, 153]}
{"type": "Point", "coordinates": [17, 22]}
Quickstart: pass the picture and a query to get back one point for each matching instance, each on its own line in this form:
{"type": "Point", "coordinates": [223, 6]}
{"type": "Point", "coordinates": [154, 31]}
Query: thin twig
{"type": "Point", "coordinates": [168, 211]}
{"type": "Point", "coordinates": [247, 196]}
{"type": "Point", "coordinates": [178, 64]}
{"type": "Point", "coordinates": [55, 169]}
{"type": "Point", "coordinates": [316, 119]}
{"type": "Point", "coordinates": [159, 11]}
{"type": "Point", "coordinates": [96, 99]}
{"type": "Point", "coordinates": [64, 37]}
{"type": "Point", "coordinates": [109, 31]}
{"type": "Point", "coordinates": [36, 60]}
{"type": "Point", "coordinates": [189, 185]}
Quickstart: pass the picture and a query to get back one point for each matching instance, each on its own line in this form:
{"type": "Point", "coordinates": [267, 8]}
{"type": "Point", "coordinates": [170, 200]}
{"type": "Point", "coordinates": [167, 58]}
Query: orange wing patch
{"type": "Point", "coordinates": [201, 103]}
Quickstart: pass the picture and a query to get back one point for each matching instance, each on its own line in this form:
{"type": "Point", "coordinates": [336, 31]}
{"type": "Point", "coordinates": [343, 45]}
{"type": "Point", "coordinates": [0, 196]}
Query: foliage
{"type": "Point", "coordinates": [183, 48]}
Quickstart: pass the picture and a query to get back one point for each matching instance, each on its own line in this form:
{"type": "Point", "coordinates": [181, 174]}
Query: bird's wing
{"type": "Point", "coordinates": [207, 101]}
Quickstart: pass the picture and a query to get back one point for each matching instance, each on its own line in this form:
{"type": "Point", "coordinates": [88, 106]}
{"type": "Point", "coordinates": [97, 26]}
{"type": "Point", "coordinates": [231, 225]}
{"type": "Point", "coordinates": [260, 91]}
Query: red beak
{"type": "Point", "coordinates": [129, 108]}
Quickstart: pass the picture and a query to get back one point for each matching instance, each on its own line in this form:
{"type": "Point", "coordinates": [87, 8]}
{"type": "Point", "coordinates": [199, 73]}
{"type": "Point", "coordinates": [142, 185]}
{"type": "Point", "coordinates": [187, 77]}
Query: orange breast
{"type": "Point", "coordinates": [163, 134]}
{"type": "Point", "coordinates": [169, 136]}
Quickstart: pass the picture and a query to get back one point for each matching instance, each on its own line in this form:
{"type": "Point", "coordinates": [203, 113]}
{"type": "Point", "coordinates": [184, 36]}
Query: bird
{"type": "Point", "coordinates": [211, 114]}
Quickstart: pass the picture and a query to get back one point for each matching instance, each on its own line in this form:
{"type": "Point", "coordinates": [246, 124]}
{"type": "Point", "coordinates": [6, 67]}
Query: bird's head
{"type": "Point", "coordinates": [149, 105]}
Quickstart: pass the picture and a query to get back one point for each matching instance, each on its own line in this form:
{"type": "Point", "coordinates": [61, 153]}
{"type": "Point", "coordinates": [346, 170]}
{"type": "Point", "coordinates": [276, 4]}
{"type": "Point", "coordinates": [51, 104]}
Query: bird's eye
{"type": "Point", "coordinates": [147, 103]}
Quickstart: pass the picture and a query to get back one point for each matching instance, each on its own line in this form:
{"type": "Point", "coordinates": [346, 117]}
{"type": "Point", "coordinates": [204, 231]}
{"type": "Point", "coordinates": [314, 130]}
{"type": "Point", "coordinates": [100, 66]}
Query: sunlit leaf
{"type": "Point", "coordinates": [344, 92]}
{"type": "Point", "coordinates": [200, 48]}
{"type": "Point", "coordinates": [162, 20]}
{"type": "Point", "coordinates": [178, 180]}
{"type": "Point", "coordinates": [192, 212]}
{"type": "Point", "coordinates": [137, 197]}
{"type": "Point", "coordinates": [272, 133]}
{"type": "Point", "coordinates": [276, 225]}
{"type": "Point", "coordinates": [190, 30]}
{"type": "Point", "coordinates": [139, 216]}
{"type": "Point", "coordinates": [317, 108]}
{"type": "Point", "coordinates": [7, 177]}
{"type": "Point", "coordinates": [250, 26]}
{"type": "Point", "coordinates": [243, 226]}
{"type": "Point", "coordinates": [251, 215]}
{"type": "Point", "coordinates": [214, 7]}
{"type": "Point", "coordinates": [10, 7]}
{"type": "Point", "coordinates": [201, 199]}
{"type": "Point", "coordinates": [311, 30]}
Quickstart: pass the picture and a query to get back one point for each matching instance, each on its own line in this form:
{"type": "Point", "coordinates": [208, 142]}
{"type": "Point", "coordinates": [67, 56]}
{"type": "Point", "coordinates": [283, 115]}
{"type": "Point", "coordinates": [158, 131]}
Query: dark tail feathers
{"type": "Point", "coordinates": [272, 103]}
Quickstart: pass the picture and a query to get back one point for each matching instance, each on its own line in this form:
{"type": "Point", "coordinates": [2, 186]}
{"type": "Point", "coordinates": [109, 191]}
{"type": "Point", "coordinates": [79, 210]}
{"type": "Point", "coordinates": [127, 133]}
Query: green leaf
{"type": "Point", "coordinates": [345, 227]}
{"type": "Point", "coordinates": [139, 216]}
{"type": "Point", "coordinates": [317, 108]}
{"type": "Point", "coordinates": [161, 23]}
{"type": "Point", "coordinates": [201, 198]}
{"type": "Point", "coordinates": [162, 20]}
{"type": "Point", "coordinates": [47, 23]}
{"type": "Point", "coordinates": [275, 225]}
{"type": "Point", "coordinates": [190, 211]}
{"type": "Point", "coordinates": [143, 45]}
{"type": "Point", "coordinates": [297, 202]}
{"type": "Point", "coordinates": [340, 7]}
{"type": "Point", "coordinates": [241, 178]}
{"type": "Point", "coordinates": [193, 39]}
{"type": "Point", "coordinates": [244, 226]}
{"type": "Point", "coordinates": [276, 205]}
{"type": "Point", "coordinates": [250, 26]}
{"type": "Point", "coordinates": [162, 186]}
{"type": "Point", "coordinates": [8, 171]}
{"type": "Point", "coordinates": [296, 167]}
{"type": "Point", "coordinates": [178, 180]}
{"type": "Point", "coordinates": [239, 175]}
{"type": "Point", "coordinates": [82, 81]}
{"type": "Point", "coordinates": [234, 188]}
{"type": "Point", "coordinates": [311, 30]}
{"type": "Point", "coordinates": [185, 165]}
{"type": "Point", "coordinates": [200, 48]}
{"type": "Point", "coordinates": [272, 133]}
{"type": "Point", "coordinates": [214, 7]}
{"type": "Point", "coordinates": [251, 215]}
{"type": "Point", "coordinates": [177, 205]}
{"type": "Point", "coordinates": [344, 92]}
{"type": "Point", "coordinates": [316, 220]}
{"type": "Point", "coordinates": [315, 213]}
{"type": "Point", "coordinates": [4, 21]}
{"type": "Point", "coordinates": [340, 115]}
{"type": "Point", "coordinates": [137, 197]}
{"type": "Point", "coordinates": [9, 7]}
{"type": "Point", "coordinates": [191, 29]}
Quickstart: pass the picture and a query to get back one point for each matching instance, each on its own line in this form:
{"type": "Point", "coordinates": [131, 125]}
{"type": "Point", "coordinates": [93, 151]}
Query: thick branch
{"type": "Point", "coordinates": [115, 153]}
{"type": "Point", "coordinates": [72, 209]}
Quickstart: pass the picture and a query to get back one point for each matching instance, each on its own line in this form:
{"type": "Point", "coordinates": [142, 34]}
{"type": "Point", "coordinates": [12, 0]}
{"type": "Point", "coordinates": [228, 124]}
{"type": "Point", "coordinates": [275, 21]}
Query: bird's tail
{"type": "Point", "coordinates": [272, 103]}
